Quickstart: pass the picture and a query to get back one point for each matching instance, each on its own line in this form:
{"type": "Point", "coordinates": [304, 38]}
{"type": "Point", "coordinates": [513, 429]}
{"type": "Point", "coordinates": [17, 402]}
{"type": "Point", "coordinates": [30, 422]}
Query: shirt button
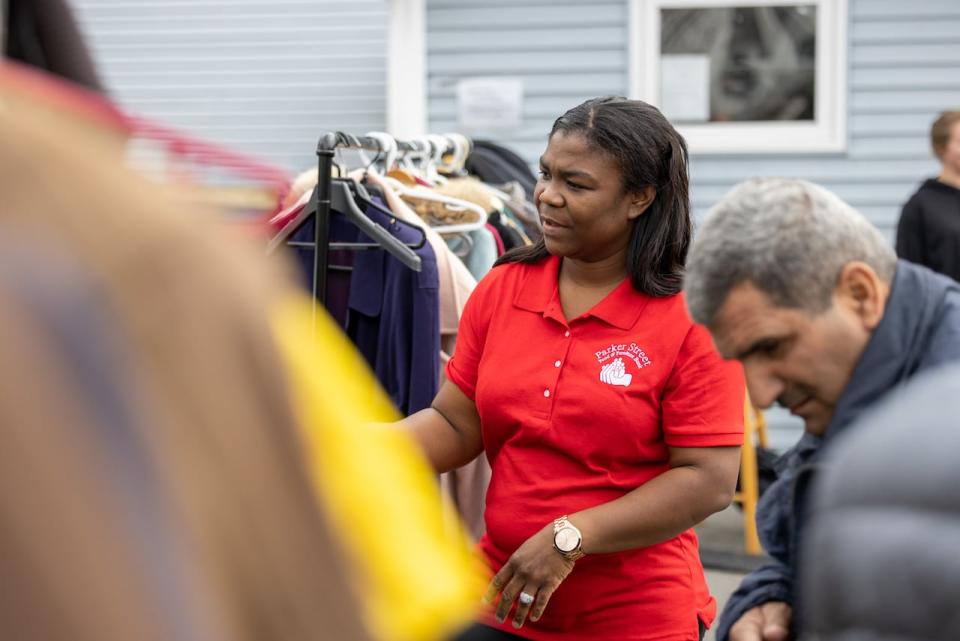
{"type": "Point", "coordinates": [567, 334]}
{"type": "Point", "coordinates": [546, 393]}
{"type": "Point", "coordinates": [556, 364]}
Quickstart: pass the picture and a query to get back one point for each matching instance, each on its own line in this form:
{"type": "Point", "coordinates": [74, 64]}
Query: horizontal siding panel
{"type": "Point", "coordinates": [521, 17]}
{"type": "Point", "coordinates": [533, 107]}
{"type": "Point", "coordinates": [526, 40]}
{"type": "Point", "coordinates": [909, 31]}
{"type": "Point", "coordinates": [887, 229]}
{"type": "Point", "coordinates": [146, 17]}
{"type": "Point", "coordinates": [238, 108]}
{"type": "Point", "coordinates": [146, 8]}
{"type": "Point", "coordinates": [531, 129]}
{"type": "Point", "coordinates": [557, 60]}
{"type": "Point", "coordinates": [293, 133]}
{"type": "Point", "coordinates": [330, 31]}
{"type": "Point", "coordinates": [564, 52]}
{"type": "Point", "coordinates": [253, 94]}
{"type": "Point", "coordinates": [208, 63]}
{"type": "Point", "coordinates": [279, 118]}
{"type": "Point", "coordinates": [920, 78]}
{"type": "Point", "coordinates": [475, 4]}
{"type": "Point", "coordinates": [864, 10]}
{"type": "Point", "coordinates": [267, 78]}
{"type": "Point", "coordinates": [896, 124]}
{"type": "Point", "coordinates": [909, 55]}
{"type": "Point", "coordinates": [729, 169]}
{"type": "Point", "coordinates": [904, 101]}
{"type": "Point", "coordinates": [889, 147]}
{"type": "Point", "coordinates": [879, 195]}
{"type": "Point", "coordinates": [593, 84]}
{"type": "Point", "coordinates": [285, 39]}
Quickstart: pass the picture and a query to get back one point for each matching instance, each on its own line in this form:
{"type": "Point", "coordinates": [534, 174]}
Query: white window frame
{"type": "Point", "coordinates": [828, 133]}
{"type": "Point", "coordinates": [407, 68]}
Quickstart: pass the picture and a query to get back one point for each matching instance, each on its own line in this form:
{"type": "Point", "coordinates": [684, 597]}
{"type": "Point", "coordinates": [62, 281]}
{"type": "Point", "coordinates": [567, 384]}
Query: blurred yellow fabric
{"type": "Point", "coordinates": [419, 580]}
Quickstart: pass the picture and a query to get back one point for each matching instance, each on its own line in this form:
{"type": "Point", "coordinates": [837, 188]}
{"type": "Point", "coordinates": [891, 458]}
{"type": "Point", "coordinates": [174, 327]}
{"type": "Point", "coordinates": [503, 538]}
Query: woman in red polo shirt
{"type": "Point", "coordinates": [611, 424]}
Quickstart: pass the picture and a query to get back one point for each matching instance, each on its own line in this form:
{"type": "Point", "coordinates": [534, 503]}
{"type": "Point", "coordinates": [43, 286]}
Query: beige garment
{"type": "Point", "coordinates": [467, 189]}
{"type": "Point", "coordinates": [187, 305]}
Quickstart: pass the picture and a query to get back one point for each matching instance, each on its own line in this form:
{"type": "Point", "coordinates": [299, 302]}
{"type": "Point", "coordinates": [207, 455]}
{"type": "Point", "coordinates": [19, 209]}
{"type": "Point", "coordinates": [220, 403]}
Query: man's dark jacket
{"type": "Point", "coordinates": [920, 330]}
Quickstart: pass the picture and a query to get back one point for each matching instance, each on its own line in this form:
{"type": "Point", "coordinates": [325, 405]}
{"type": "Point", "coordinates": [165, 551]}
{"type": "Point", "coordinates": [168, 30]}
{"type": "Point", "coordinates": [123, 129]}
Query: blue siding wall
{"type": "Point", "coordinates": [566, 51]}
{"type": "Point", "coordinates": [265, 77]}
{"type": "Point", "coordinates": [904, 67]}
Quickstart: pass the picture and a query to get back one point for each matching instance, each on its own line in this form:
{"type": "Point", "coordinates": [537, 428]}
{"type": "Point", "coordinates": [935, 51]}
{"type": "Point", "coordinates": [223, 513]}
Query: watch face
{"type": "Point", "coordinates": [567, 539]}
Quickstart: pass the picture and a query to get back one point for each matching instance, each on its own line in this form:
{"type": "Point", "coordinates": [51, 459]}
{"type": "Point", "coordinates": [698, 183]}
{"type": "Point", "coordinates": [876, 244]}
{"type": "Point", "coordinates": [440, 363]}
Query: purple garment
{"type": "Point", "coordinates": [390, 312]}
{"type": "Point", "coordinates": [394, 319]}
{"type": "Point", "coordinates": [338, 281]}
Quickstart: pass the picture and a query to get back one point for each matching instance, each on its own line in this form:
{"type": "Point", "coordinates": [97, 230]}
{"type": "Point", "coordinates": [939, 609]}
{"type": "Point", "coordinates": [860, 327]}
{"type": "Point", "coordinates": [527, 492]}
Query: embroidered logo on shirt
{"type": "Point", "coordinates": [615, 373]}
{"type": "Point", "coordinates": [613, 367]}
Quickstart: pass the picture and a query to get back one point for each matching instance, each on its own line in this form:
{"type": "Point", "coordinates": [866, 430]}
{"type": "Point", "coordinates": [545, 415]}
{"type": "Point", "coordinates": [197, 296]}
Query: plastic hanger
{"type": "Point", "coordinates": [436, 144]}
{"type": "Point", "coordinates": [342, 199]}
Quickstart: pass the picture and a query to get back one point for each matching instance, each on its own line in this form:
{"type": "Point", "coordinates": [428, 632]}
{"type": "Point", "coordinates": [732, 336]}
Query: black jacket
{"type": "Point", "coordinates": [929, 229]}
{"type": "Point", "coordinates": [495, 164]}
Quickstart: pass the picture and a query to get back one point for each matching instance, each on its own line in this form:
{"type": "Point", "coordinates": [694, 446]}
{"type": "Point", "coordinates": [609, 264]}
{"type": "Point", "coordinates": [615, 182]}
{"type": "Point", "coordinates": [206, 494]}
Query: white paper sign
{"type": "Point", "coordinates": [685, 87]}
{"type": "Point", "coordinates": [490, 103]}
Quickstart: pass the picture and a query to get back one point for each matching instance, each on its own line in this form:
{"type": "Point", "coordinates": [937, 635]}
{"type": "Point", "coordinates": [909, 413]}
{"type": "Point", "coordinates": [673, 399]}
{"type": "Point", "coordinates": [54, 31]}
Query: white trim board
{"type": "Point", "coordinates": [827, 134]}
{"type": "Point", "coordinates": [407, 68]}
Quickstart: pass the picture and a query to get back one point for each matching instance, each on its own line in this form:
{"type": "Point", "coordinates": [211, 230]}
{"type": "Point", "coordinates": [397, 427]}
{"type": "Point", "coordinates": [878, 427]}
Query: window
{"type": "Point", "coordinates": [742, 76]}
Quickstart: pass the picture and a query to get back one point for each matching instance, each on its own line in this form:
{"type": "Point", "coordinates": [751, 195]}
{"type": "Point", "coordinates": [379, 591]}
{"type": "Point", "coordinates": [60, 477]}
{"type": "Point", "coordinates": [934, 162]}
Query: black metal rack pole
{"type": "Point", "coordinates": [326, 147]}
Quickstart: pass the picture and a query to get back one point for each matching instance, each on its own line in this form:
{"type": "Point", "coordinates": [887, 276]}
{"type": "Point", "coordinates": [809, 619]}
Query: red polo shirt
{"type": "Point", "coordinates": [578, 413]}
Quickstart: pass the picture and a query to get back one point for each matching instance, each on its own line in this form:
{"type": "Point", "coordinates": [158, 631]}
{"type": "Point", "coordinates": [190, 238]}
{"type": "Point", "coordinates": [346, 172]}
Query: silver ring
{"type": "Point", "coordinates": [526, 599]}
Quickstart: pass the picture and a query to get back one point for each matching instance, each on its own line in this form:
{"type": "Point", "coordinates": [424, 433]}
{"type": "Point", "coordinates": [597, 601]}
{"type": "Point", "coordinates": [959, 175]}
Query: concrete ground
{"type": "Point", "coordinates": [722, 585]}
{"type": "Point", "coordinates": [722, 552]}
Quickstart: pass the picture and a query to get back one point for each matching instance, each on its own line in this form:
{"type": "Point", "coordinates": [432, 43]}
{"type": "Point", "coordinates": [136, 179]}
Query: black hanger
{"type": "Point", "coordinates": [344, 194]}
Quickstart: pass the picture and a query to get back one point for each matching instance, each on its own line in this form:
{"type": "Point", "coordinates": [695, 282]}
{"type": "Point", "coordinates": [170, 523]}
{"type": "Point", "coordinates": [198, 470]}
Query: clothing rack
{"type": "Point", "coordinates": [327, 146]}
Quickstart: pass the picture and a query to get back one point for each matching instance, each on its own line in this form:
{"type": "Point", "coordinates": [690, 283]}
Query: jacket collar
{"type": "Point", "coordinates": [898, 344]}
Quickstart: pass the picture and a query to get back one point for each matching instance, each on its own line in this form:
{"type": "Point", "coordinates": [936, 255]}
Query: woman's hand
{"type": "Point", "coordinates": [535, 569]}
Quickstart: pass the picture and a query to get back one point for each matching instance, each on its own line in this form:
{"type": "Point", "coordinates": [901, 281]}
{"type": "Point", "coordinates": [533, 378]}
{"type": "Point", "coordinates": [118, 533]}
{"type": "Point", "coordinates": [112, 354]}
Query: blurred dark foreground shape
{"type": "Point", "coordinates": [882, 559]}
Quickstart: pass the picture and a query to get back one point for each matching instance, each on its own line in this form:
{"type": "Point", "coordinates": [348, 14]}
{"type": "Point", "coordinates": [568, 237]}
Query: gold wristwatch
{"type": "Point", "coordinates": [567, 539]}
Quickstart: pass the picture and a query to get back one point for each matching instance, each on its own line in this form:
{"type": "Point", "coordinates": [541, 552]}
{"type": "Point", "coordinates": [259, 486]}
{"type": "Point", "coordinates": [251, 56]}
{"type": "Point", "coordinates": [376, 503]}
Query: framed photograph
{"type": "Point", "coordinates": [742, 76]}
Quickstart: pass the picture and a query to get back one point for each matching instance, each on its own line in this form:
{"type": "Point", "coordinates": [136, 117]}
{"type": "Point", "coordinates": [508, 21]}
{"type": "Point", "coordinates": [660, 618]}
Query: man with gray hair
{"type": "Point", "coordinates": [811, 299]}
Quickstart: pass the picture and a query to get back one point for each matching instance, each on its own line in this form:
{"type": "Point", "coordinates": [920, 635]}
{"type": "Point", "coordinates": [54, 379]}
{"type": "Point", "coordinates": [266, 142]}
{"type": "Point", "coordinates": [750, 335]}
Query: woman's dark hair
{"type": "Point", "coordinates": [650, 152]}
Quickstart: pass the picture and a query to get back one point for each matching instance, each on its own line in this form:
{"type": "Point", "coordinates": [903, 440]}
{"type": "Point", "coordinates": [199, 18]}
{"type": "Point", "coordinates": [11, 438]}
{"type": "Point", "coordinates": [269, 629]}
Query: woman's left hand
{"type": "Point", "coordinates": [535, 569]}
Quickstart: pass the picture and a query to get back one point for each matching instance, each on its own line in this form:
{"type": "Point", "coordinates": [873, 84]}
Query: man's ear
{"type": "Point", "coordinates": [641, 201]}
{"type": "Point", "coordinates": [861, 290]}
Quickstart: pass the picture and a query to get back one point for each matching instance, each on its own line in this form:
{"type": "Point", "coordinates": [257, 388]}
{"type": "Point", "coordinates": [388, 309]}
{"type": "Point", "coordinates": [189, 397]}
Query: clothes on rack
{"type": "Point", "coordinates": [478, 250]}
{"type": "Point", "coordinates": [497, 238]}
{"type": "Point", "coordinates": [456, 283]}
{"type": "Point", "coordinates": [466, 487]}
{"type": "Point", "coordinates": [390, 312]}
{"type": "Point", "coordinates": [493, 163]}
{"type": "Point", "coordinates": [507, 230]}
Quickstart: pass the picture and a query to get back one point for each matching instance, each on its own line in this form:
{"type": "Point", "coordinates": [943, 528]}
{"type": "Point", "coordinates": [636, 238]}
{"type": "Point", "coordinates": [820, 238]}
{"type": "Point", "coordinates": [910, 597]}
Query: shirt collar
{"type": "Point", "coordinates": [540, 293]}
